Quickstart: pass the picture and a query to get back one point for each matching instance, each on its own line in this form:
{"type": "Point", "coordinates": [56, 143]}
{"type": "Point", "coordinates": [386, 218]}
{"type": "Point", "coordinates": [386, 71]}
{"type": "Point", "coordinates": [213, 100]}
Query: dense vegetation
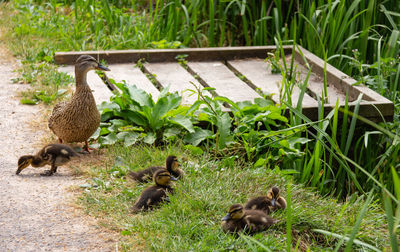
{"type": "Point", "coordinates": [337, 157]}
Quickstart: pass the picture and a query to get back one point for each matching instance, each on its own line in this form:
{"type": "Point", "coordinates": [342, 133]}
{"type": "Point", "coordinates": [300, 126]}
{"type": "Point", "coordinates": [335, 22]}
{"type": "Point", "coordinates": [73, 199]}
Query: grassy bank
{"type": "Point", "coordinates": [191, 221]}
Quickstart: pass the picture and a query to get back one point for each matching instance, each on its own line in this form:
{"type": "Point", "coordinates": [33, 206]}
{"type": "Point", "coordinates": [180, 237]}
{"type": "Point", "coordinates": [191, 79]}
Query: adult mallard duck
{"type": "Point", "coordinates": [77, 119]}
{"type": "Point", "coordinates": [52, 154]}
{"type": "Point", "coordinates": [172, 166]}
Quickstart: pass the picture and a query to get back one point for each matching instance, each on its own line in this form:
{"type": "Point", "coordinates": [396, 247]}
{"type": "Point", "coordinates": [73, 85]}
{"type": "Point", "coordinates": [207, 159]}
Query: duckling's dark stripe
{"type": "Point", "coordinates": [236, 210]}
{"type": "Point", "coordinates": [163, 175]}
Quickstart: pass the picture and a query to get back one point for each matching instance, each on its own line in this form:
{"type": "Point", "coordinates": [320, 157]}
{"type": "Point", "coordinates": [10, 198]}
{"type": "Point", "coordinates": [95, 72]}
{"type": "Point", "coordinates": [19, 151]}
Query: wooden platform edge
{"type": "Point", "coordinates": [343, 82]}
{"type": "Point", "coordinates": [160, 55]}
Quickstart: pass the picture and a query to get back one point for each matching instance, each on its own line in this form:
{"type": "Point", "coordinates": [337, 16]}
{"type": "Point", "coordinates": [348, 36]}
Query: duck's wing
{"type": "Point", "coordinates": [57, 110]}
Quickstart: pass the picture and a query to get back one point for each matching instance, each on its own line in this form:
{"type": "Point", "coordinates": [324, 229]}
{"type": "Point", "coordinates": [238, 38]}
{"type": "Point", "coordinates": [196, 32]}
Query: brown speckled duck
{"type": "Point", "coordinates": [77, 119]}
{"type": "Point", "coordinates": [52, 154]}
{"type": "Point", "coordinates": [249, 221]}
{"type": "Point", "coordinates": [156, 194]}
{"type": "Point", "coordinates": [172, 166]}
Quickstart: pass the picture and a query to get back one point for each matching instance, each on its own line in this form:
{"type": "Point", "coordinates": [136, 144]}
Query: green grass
{"type": "Point", "coordinates": [191, 221]}
{"type": "Point", "coordinates": [341, 157]}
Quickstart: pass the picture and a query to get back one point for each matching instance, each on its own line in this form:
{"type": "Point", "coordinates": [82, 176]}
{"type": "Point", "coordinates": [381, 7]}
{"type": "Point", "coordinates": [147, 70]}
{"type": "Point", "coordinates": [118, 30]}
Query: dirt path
{"type": "Point", "coordinates": [35, 214]}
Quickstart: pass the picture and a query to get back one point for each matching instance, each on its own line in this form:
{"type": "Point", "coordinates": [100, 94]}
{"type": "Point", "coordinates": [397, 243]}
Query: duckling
{"type": "Point", "coordinates": [154, 195]}
{"type": "Point", "coordinates": [262, 203]}
{"type": "Point", "coordinates": [172, 165]}
{"type": "Point", "coordinates": [78, 119]}
{"type": "Point", "coordinates": [52, 154]}
{"type": "Point", "coordinates": [271, 202]}
{"type": "Point", "coordinates": [249, 221]}
{"type": "Point", "coordinates": [277, 201]}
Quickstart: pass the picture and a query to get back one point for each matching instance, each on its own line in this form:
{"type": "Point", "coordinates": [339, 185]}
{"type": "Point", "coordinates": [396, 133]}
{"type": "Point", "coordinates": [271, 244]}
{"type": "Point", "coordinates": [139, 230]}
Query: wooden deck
{"type": "Point", "coordinates": [239, 73]}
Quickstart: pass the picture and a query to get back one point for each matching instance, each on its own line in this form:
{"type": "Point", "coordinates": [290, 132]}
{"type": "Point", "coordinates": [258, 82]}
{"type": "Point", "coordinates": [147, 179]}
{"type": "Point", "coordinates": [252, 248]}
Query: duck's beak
{"type": "Point", "coordinates": [173, 178]}
{"type": "Point", "coordinates": [227, 217]}
{"type": "Point", "coordinates": [103, 68]}
{"type": "Point", "coordinates": [273, 202]}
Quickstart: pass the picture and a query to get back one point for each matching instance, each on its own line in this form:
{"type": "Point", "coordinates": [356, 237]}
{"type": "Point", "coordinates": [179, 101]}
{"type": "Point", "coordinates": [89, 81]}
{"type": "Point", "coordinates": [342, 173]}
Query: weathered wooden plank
{"type": "Point", "coordinates": [176, 77]}
{"type": "Point", "coordinates": [338, 83]}
{"type": "Point", "coordinates": [259, 73]}
{"type": "Point", "coordinates": [100, 91]}
{"type": "Point", "coordinates": [316, 86]}
{"type": "Point", "coordinates": [217, 75]}
{"type": "Point", "coordinates": [334, 76]}
{"type": "Point", "coordinates": [163, 55]}
{"type": "Point", "coordinates": [133, 76]}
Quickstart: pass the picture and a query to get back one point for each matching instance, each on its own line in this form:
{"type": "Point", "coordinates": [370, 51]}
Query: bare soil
{"type": "Point", "coordinates": [36, 212]}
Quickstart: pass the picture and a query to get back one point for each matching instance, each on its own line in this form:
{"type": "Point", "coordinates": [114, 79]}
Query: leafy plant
{"type": "Point", "coordinates": [132, 115]}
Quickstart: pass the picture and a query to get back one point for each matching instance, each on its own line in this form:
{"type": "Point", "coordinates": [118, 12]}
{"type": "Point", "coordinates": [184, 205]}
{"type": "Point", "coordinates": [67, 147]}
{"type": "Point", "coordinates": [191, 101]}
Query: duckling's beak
{"type": "Point", "coordinates": [173, 178]}
{"type": "Point", "coordinates": [20, 168]}
{"type": "Point", "coordinates": [227, 217]}
{"type": "Point", "coordinates": [273, 202]}
{"type": "Point", "coordinates": [103, 68]}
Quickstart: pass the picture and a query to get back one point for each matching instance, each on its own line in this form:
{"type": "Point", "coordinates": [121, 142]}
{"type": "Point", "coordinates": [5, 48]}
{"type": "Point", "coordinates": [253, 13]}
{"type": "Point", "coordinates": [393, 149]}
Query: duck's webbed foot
{"type": "Point", "coordinates": [51, 171]}
{"type": "Point", "coordinates": [86, 149]}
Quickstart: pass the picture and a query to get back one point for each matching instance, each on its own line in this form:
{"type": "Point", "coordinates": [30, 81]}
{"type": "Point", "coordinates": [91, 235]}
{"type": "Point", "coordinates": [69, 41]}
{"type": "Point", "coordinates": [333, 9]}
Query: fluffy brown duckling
{"type": "Point", "coordinates": [262, 203]}
{"type": "Point", "coordinates": [156, 194]}
{"type": "Point", "coordinates": [277, 201]}
{"type": "Point", "coordinates": [249, 221]}
{"type": "Point", "coordinates": [172, 166]}
{"type": "Point", "coordinates": [271, 202]}
{"type": "Point", "coordinates": [52, 154]}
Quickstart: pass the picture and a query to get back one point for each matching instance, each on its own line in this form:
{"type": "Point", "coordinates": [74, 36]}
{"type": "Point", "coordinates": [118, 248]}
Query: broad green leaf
{"type": "Point", "coordinates": [96, 134]}
{"type": "Point", "coordinates": [277, 116]}
{"type": "Point", "coordinates": [194, 150]}
{"type": "Point", "coordinates": [197, 136]}
{"type": "Point", "coordinates": [134, 117]}
{"type": "Point", "coordinates": [259, 162]}
{"type": "Point", "coordinates": [139, 96]}
{"type": "Point", "coordinates": [184, 122]}
{"type": "Point", "coordinates": [171, 132]}
{"type": "Point", "coordinates": [204, 117]}
{"type": "Point", "coordinates": [224, 130]}
{"type": "Point", "coordinates": [107, 106]}
{"type": "Point", "coordinates": [109, 139]}
{"type": "Point", "coordinates": [116, 124]}
{"type": "Point", "coordinates": [150, 138]}
{"type": "Point", "coordinates": [129, 137]}
{"type": "Point", "coordinates": [107, 116]}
